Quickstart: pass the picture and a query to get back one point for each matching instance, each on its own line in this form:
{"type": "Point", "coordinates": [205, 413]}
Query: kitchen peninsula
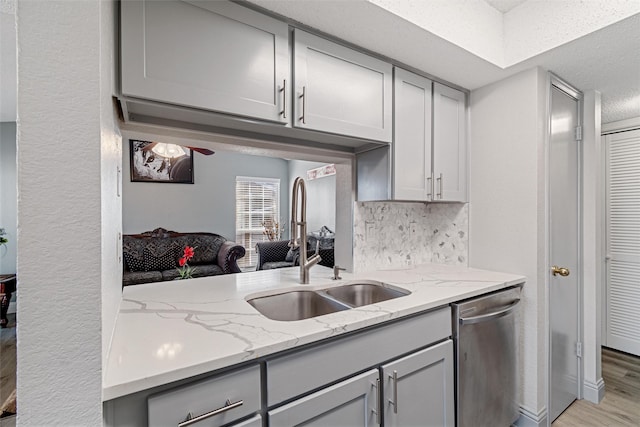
{"type": "Point", "coordinates": [170, 334]}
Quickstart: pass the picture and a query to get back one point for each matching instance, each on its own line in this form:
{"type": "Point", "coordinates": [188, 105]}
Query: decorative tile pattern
{"type": "Point", "coordinates": [393, 235]}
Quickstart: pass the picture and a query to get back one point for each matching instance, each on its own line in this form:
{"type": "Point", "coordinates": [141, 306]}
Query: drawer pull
{"type": "Point", "coordinates": [227, 407]}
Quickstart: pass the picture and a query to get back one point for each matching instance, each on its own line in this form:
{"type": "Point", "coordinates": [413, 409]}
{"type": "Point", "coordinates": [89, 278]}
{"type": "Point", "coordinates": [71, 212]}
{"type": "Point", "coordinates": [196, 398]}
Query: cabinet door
{"type": "Point", "coordinates": [350, 403]}
{"type": "Point", "coordinates": [341, 91]}
{"type": "Point", "coordinates": [449, 144]}
{"type": "Point", "coordinates": [412, 178]}
{"type": "Point", "coordinates": [209, 55]}
{"type": "Point", "coordinates": [418, 389]}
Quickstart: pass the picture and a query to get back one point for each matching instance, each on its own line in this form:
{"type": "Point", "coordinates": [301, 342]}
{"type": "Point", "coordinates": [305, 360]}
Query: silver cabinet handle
{"type": "Point", "coordinates": [440, 181]}
{"type": "Point", "coordinates": [304, 101]}
{"type": "Point", "coordinates": [394, 402]}
{"type": "Point", "coordinates": [489, 316]}
{"type": "Point", "coordinates": [227, 407]}
{"type": "Point", "coordinates": [430, 187]}
{"type": "Point", "coordinates": [378, 399]}
{"type": "Point", "coordinates": [284, 99]}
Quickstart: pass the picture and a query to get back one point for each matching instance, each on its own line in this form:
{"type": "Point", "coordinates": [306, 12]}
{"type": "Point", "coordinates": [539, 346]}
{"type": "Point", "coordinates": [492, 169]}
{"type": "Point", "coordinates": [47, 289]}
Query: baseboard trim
{"type": "Point", "coordinates": [593, 392]}
{"type": "Point", "coordinates": [528, 418]}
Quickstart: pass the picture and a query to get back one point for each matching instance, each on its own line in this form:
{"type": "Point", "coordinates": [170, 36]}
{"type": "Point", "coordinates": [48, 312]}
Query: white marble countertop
{"type": "Point", "coordinates": [170, 331]}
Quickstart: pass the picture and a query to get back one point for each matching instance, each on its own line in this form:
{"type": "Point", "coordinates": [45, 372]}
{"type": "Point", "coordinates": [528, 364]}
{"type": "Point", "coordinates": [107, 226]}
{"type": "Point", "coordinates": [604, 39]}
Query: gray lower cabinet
{"type": "Point", "coordinates": [340, 90]}
{"type": "Point", "coordinates": [211, 55]}
{"type": "Point", "coordinates": [215, 401]}
{"type": "Point", "coordinates": [418, 389]}
{"type": "Point", "coordinates": [353, 402]}
{"type": "Point", "coordinates": [362, 379]}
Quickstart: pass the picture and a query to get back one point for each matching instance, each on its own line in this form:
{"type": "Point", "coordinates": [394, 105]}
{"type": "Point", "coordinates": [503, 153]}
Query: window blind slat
{"type": "Point", "coordinates": [257, 201]}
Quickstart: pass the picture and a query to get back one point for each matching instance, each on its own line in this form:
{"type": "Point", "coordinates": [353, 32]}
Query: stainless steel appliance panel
{"type": "Point", "coordinates": [486, 360]}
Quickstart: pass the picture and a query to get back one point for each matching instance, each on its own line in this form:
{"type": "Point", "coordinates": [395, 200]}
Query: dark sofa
{"type": "Point", "coordinates": [153, 256]}
{"type": "Point", "coordinates": [276, 254]}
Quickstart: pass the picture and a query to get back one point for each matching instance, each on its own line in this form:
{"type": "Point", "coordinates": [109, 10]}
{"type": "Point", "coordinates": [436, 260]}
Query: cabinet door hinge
{"type": "Point", "coordinates": [579, 349]}
{"type": "Point", "coordinates": [578, 133]}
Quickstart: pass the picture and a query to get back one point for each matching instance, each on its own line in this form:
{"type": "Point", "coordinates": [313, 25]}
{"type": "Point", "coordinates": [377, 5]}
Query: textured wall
{"type": "Point", "coordinates": [392, 234]}
{"type": "Point", "coordinates": [8, 198]}
{"type": "Point", "coordinates": [507, 208]}
{"type": "Point", "coordinates": [321, 195]}
{"type": "Point", "coordinates": [59, 213]}
{"type": "Point", "coordinates": [207, 205]}
{"type": "Point", "coordinates": [111, 163]}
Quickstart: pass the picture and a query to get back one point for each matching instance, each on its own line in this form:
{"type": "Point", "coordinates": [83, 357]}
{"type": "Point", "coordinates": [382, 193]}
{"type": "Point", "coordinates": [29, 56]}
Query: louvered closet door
{"type": "Point", "coordinates": [623, 241]}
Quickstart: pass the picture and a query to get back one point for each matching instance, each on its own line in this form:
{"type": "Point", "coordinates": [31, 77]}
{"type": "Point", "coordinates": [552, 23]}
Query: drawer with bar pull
{"type": "Point", "coordinates": [212, 402]}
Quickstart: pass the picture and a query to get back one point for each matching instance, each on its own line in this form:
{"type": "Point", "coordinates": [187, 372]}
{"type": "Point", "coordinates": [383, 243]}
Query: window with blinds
{"type": "Point", "coordinates": [257, 202]}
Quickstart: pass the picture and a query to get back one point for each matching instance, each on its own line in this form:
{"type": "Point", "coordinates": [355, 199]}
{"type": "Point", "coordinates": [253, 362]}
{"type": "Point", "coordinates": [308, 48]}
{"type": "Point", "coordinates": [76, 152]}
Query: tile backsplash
{"type": "Point", "coordinates": [397, 234]}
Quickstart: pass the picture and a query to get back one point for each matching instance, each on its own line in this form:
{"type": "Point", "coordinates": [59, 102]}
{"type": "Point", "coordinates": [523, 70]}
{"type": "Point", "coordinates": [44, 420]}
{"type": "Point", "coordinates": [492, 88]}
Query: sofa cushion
{"type": "Point", "coordinates": [137, 277]}
{"type": "Point", "coordinates": [276, 264]}
{"type": "Point", "coordinates": [132, 251]}
{"type": "Point", "coordinates": [133, 262]}
{"type": "Point", "coordinates": [159, 256]}
{"type": "Point", "coordinates": [199, 271]}
{"type": "Point", "coordinates": [206, 247]}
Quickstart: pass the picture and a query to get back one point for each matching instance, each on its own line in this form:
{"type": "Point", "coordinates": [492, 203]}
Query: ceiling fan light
{"type": "Point", "coordinates": [168, 150]}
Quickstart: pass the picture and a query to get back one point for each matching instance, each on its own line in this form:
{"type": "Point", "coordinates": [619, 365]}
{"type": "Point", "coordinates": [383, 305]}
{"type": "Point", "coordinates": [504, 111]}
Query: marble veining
{"type": "Point", "coordinates": [174, 330]}
{"type": "Point", "coordinates": [400, 234]}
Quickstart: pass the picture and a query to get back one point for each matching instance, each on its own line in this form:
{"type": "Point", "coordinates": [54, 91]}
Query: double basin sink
{"type": "Point", "coordinates": [304, 304]}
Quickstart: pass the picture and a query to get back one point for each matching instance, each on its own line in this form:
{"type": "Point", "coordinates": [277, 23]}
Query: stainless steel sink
{"type": "Point", "coordinates": [359, 294]}
{"type": "Point", "coordinates": [296, 305]}
{"type": "Point", "coordinates": [299, 305]}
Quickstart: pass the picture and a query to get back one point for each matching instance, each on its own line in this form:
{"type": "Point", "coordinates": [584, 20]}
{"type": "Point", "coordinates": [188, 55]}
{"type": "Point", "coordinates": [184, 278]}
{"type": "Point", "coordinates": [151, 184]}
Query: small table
{"type": "Point", "coordinates": [7, 288]}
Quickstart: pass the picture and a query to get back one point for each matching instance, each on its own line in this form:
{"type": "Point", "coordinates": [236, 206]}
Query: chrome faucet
{"type": "Point", "coordinates": [299, 230]}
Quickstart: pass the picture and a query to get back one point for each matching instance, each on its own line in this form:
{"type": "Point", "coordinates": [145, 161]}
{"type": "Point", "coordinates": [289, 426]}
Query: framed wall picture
{"type": "Point", "coordinates": [160, 162]}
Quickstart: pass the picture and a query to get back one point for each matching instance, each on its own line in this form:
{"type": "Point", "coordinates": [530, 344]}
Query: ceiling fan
{"type": "Point", "coordinates": [173, 150]}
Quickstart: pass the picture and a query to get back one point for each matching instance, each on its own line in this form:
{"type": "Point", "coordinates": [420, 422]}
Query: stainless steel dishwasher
{"type": "Point", "coordinates": [486, 349]}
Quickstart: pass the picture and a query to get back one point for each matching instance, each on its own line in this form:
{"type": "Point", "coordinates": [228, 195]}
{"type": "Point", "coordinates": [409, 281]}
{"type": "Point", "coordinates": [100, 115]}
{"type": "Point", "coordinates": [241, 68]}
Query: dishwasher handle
{"type": "Point", "coordinates": [489, 316]}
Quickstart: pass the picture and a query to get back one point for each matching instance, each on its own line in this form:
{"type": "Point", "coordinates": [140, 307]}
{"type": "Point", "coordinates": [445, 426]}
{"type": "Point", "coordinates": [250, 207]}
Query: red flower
{"type": "Point", "coordinates": [188, 252]}
{"type": "Point", "coordinates": [182, 261]}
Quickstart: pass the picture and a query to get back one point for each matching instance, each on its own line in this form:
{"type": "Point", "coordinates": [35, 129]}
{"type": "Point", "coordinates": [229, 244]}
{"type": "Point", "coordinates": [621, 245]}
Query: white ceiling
{"type": "Point", "coordinates": [474, 46]}
{"type": "Point", "coordinates": [504, 5]}
{"type": "Point", "coordinates": [594, 45]}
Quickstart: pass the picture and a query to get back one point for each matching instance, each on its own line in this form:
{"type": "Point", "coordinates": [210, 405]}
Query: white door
{"type": "Point", "coordinates": [564, 226]}
{"type": "Point", "coordinates": [623, 242]}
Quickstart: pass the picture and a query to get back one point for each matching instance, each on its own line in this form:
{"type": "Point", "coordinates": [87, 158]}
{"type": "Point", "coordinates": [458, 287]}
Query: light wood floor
{"type": "Point", "coordinates": [620, 406]}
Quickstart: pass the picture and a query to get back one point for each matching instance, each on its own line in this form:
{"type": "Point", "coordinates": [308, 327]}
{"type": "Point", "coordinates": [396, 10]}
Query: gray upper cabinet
{"type": "Point", "coordinates": [341, 91]}
{"type": "Point", "coordinates": [449, 144]}
{"type": "Point", "coordinates": [215, 56]}
{"type": "Point", "coordinates": [418, 389]}
{"type": "Point", "coordinates": [353, 402]}
{"type": "Point", "coordinates": [412, 177]}
{"type": "Point", "coordinates": [428, 159]}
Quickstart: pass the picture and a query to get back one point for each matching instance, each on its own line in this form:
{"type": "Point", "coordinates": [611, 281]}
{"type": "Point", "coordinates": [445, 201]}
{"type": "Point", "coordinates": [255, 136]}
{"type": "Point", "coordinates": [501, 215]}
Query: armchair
{"type": "Point", "coordinates": [275, 254]}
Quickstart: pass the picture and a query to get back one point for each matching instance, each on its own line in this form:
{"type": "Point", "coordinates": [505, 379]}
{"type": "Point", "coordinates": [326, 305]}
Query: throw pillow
{"type": "Point", "coordinates": [159, 261]}
{"type": "Point", "coordinates": [133, 262]}
{"type": "Point", "coordinates": [292, 254]}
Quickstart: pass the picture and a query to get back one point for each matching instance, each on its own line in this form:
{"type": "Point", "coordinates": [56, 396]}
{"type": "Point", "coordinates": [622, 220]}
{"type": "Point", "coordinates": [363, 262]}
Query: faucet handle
{"type": "Point", "coordinates": [336, 272]}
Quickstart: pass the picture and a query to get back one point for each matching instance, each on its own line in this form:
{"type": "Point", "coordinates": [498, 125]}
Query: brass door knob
{"type": "Point", "coordinates": [564, 272]}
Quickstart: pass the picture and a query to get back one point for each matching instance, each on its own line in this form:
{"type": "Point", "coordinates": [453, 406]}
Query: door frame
{"type": "Point", "coordinates": [562, 85]}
